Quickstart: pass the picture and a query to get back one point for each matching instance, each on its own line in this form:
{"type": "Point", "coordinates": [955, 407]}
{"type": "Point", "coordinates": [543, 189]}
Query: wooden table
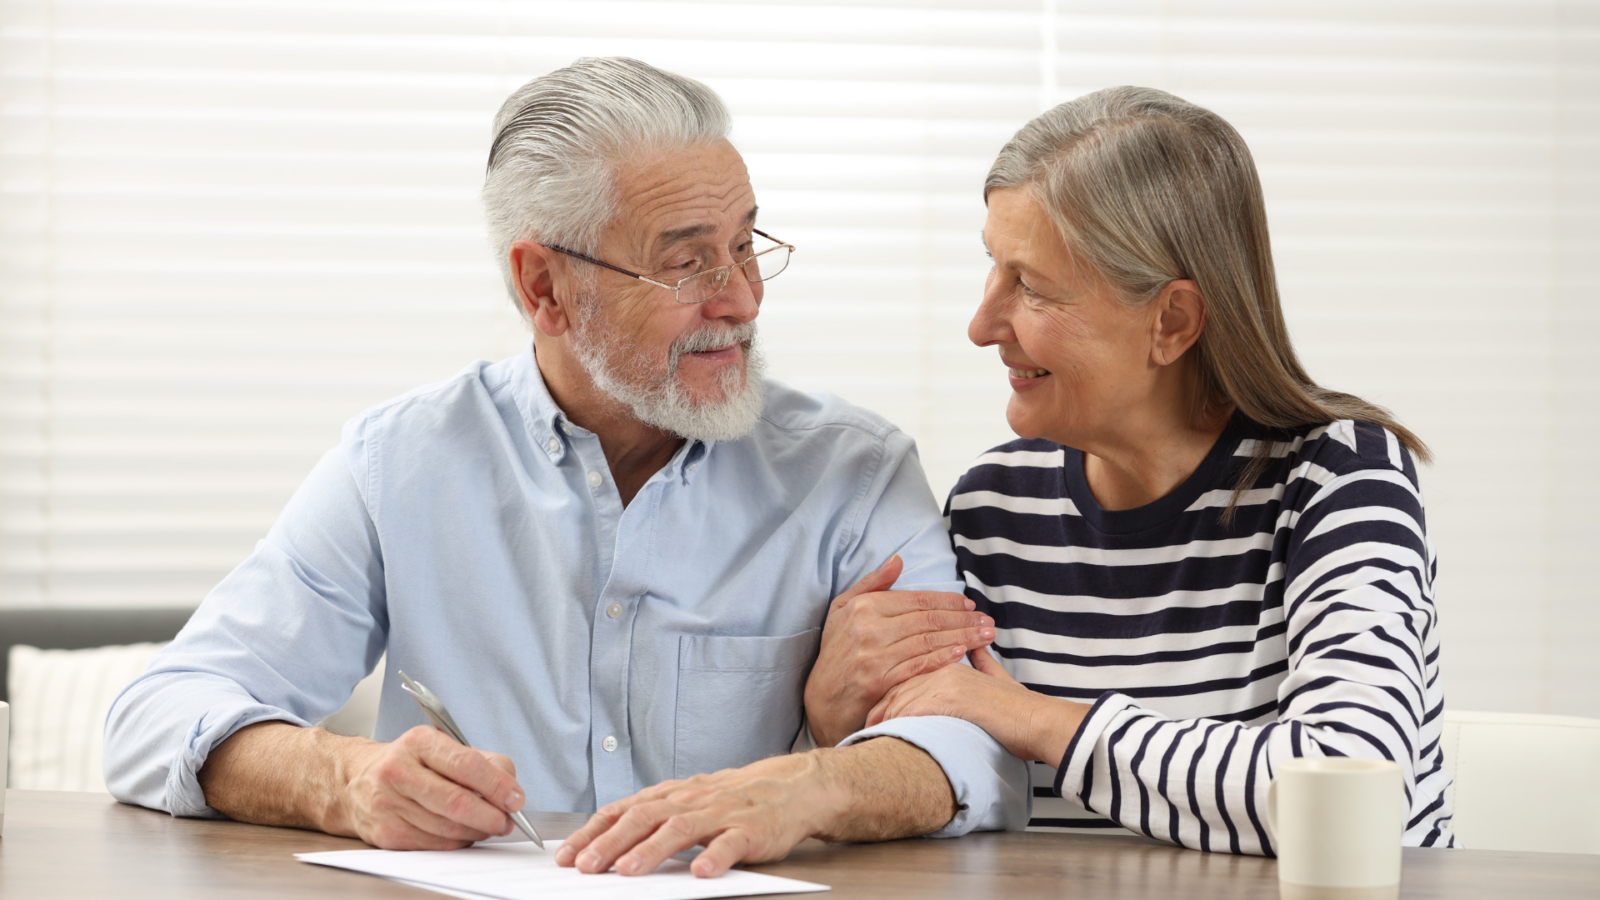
{"type": "Point", "coordinates": [87, 845]}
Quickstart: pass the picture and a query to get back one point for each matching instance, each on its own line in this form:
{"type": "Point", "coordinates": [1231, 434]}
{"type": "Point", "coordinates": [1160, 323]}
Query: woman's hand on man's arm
{"type": "Point", "coordinates": [874, 639]}
{"type": "Point", "coordinates": [1030, 725]}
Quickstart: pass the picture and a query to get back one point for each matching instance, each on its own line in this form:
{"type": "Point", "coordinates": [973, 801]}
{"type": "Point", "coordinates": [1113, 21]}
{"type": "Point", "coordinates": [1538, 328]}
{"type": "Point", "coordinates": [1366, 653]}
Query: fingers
{"type": "Point", "coordinates": [921, 665]}
{"type": "Point", "coordinates": [880, 713]}
{"type": "Point", "coordinates": [728, 849]}
{"type": "Point", "coordinates": [398, 833]}
{"type": "Point", "coordinates": [880, 579]}
{"type": "Point", "coordinates": [675, 834]}
{"type": "Point", "coordinates": [628, 831]}
{"type": "Point", "coordinates": [429, 831]}
{"type": "Point", "coordinates": [899, 603]}
{"type": "Point", "coordinates": [476, 772]}
{"type": "Point", "coordinates": [503, 763]}
{"type": "Point", "coordinates": [925, 632]}
{"type": "Point", "coordinates": [983, 660]}
{"type": "Point", "coordinates": [445, 779]}
{"type": "Point", "coordinates": [451, 802]}
{"type": "Point", "coordinates": [598, 824]}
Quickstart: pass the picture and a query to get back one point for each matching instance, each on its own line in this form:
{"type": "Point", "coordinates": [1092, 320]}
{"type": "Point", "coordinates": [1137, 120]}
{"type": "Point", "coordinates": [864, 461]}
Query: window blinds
{"type": "Point", "coordinates": [227, 227]}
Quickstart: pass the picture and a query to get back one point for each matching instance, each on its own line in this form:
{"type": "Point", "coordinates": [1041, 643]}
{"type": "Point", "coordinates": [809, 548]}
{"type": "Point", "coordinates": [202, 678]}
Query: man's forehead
{"type": "Point", "coordinates": [684, 195]}
{"type": "Point", "coordinates": [673, 235]}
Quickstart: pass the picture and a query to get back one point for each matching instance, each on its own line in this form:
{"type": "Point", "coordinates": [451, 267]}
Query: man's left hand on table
{"type": "Point", "coordinates": [876, 790]}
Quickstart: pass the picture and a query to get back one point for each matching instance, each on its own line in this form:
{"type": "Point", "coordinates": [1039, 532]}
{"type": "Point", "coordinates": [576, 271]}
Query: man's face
{"type": "Point", "coordinates": [690, 369]}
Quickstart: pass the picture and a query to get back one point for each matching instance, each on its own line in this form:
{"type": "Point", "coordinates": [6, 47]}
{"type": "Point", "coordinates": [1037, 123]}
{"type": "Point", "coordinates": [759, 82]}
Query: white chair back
{"type": "Point", "coordinates": [360, 713]}
{"type": "Point", "coordinates": [1524, 782]}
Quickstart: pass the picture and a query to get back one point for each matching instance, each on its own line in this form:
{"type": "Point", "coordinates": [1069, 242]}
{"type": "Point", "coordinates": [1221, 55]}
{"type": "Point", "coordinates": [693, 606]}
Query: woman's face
{"type": "Point", "coordinates": [1080, 358]}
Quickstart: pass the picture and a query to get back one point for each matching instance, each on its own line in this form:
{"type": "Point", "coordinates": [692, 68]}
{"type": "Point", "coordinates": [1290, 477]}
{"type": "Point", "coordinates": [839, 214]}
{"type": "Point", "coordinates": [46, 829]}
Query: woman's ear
{"type": "Point", "coordinates": [1180, 319]}
{"type": "Point", "coordinates": [534, 277]}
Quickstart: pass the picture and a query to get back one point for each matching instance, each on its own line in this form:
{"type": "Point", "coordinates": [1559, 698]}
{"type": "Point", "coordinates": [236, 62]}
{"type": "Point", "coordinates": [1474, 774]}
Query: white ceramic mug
{"type": "Point", "coordinates": [1337, 823]}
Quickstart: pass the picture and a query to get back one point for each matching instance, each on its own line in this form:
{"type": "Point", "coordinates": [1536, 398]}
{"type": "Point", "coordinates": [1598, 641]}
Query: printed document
{"type": "Point", "coordinates": [521, 871]}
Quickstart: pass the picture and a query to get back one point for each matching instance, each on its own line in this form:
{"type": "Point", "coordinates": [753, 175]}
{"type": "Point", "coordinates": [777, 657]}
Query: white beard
{"type": "Point", "coordinates": [654, 394]}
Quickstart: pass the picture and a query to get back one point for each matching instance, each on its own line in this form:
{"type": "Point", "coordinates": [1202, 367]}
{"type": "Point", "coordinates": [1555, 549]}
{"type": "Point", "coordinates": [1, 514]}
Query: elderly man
{"type": "Point", "coordinates": [611, 556]}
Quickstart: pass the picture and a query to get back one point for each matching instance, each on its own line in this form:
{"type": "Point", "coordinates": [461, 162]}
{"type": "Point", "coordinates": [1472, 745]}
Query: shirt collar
{"type": "Point", "coordinates": [549, 428]}
{"type": "Point", "coordinates": [547, 424]}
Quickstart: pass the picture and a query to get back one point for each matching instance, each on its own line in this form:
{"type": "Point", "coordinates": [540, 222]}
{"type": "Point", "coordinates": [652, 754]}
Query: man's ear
{"type": "Point", "coordinates": [534, 274]}
{"type": "Point", "coordinates": [1180, 320]}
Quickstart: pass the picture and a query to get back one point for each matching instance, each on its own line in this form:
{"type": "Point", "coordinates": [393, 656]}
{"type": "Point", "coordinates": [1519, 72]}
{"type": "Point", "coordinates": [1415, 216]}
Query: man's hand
{"type": "Point", "coordinates": [754, 814]}
{"type": "Point", "coordinates": [424, 791]}
{"type": "Point", "coordinates": [875, 638]}
{"type": "Point", "coordinates": [876, 790]}
{"type": "Point", "coordinates": [1028, 724]}
{"type": "Point", "coordinates": [421, 792]}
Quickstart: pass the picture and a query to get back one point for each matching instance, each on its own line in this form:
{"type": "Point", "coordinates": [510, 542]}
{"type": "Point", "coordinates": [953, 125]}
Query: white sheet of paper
{"type": "Point", "coordinates": [521, 871]}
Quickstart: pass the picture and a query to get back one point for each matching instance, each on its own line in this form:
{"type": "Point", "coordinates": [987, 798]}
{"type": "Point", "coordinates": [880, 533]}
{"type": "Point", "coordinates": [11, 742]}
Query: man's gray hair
{"type": "Point", "coordinates": [559, 139]}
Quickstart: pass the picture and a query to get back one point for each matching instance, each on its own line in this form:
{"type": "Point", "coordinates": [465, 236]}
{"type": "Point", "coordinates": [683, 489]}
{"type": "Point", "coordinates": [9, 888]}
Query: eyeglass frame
{"type": "Point", "coordinates": [676, 288]}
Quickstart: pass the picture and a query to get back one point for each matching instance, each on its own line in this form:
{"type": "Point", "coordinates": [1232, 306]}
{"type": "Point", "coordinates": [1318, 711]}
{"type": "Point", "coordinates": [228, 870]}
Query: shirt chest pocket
{"type": "Point", "coordinates": [739, 698]}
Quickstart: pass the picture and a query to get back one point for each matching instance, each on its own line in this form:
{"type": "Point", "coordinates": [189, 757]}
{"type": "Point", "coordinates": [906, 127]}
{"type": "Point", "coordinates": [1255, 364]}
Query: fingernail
{"type": "Point", "coordinates": [628, 864]}
{"type": "Point", "coordinates": [970, 604]}
{"type": "Point", "coordinates": [956, 651]}
{"type": "Point", "coordinates": [985, 620]}
{"type": "Point", "coordinates": [589, 860]}
{"type": "Point", "coordinates": [986, 633]}
{"type": "Point", "coordinates": [514, 800]}
{"type": "Point", "coordinates": [564, 855]}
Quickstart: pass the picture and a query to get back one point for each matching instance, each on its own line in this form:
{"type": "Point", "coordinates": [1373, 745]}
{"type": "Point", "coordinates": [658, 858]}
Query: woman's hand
{"type": "Point", "coordinates": [876, 638]}
{"type": "Point", "coordinates": [1028, 724]}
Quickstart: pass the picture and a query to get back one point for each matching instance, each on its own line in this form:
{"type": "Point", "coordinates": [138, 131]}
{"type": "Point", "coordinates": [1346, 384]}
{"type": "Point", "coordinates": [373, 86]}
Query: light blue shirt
{"type": "Point", "coordinates": [473, 532]}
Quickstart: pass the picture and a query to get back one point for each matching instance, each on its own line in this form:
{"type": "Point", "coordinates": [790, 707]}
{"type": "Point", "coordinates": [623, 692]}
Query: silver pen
{"type": "Point", "coordinates": [434, 709]}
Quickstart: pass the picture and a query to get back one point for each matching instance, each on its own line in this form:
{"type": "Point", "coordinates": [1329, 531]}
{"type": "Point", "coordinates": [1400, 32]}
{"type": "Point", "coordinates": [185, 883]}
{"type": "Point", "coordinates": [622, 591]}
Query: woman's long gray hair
{"type": "Point", "coordinates": [1147, 188]}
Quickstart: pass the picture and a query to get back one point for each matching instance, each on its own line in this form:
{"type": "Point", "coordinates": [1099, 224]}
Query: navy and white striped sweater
{"type": "Point", "coordinates": [1210, 653]}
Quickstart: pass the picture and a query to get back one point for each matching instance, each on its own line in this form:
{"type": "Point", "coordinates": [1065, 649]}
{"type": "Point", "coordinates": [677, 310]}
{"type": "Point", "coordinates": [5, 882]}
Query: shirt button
{"type": "Point", "coordinates": [554, 445]}
{"type": "Point", "coordinates": [693, 466]}
{"type": "Point", "coordinates": [594, 479]}
{"type": "Point", "coordinates": [610, 743]}
{"type": "Point", "coordinates": [566, 428]}
{"type": "Point", "coordinates": [614, 610]}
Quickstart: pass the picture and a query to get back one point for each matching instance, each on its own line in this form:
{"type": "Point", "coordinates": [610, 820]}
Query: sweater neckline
{"type": "Point", "coordinates": [1205, 477]}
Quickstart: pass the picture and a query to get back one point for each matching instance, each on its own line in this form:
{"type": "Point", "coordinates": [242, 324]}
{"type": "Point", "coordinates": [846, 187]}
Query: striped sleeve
{"type": "Point", "coordinates": [1361, 640]}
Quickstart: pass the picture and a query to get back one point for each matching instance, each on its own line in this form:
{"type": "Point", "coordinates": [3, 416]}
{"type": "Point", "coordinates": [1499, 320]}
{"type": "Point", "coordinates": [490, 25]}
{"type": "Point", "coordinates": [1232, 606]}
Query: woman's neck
{"type": "Point", "coordinates": [1149, 452]}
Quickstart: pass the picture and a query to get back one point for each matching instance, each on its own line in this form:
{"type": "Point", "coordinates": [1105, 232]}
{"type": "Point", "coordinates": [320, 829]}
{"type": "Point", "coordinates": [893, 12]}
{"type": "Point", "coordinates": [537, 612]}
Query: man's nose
{"type": "Point", "coordinates": [739, 299]}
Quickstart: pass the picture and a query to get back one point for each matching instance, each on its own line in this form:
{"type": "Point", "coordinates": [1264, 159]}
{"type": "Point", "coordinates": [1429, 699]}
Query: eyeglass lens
{"type": "Point", "coordinates": [764, 266]}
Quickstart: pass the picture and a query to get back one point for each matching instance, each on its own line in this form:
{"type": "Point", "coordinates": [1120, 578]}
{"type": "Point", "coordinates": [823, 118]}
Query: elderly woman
{"type": "Point", "coordinates": [1199, 563]}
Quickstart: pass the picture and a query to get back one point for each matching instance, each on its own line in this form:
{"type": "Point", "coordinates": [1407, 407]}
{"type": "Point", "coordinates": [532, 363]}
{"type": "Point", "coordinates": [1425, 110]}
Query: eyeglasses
{"type": "Point", "coordinates": [763, 264]}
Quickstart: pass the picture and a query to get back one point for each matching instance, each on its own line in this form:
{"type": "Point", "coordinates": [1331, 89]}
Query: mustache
{"type": "Point", "coordinates": [711, 338]}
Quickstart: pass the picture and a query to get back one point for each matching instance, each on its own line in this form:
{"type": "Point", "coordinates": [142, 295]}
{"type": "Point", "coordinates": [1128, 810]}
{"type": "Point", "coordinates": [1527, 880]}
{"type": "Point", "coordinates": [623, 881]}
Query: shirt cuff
{"type": "Point", "coordinates": [1080, 750]}
{"type": "Point", "coordinates": [992, 788]}
{"type": "Point", "coordinates": [184, 795]}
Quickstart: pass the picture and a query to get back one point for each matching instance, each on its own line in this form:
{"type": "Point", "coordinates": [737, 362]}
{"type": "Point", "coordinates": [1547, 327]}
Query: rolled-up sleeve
{"type": "Point", "coordinates": [991, 786]}
{"type": "Point", "coordinates": [284, 637]}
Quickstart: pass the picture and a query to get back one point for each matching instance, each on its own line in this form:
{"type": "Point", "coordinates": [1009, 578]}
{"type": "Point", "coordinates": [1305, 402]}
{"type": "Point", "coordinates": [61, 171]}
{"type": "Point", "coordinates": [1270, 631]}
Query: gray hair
{"type": "Point", "coordinates": [1147, 188]}
{"type": "Point", "coordinates": [560, 138]}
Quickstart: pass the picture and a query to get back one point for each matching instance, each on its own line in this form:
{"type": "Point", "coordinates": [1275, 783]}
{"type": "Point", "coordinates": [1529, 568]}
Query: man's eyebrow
{"type": "Point", "coordinates": [689, 232]}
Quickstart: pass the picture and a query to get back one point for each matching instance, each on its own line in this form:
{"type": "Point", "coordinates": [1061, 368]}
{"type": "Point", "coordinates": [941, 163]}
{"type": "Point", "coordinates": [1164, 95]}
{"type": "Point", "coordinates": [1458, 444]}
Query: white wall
{"type": "Point", "coordinates": [227, 227]}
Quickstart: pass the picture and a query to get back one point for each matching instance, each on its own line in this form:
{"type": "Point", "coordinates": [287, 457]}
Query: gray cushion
{"type": "Point", "coordinates": [76, 629]}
